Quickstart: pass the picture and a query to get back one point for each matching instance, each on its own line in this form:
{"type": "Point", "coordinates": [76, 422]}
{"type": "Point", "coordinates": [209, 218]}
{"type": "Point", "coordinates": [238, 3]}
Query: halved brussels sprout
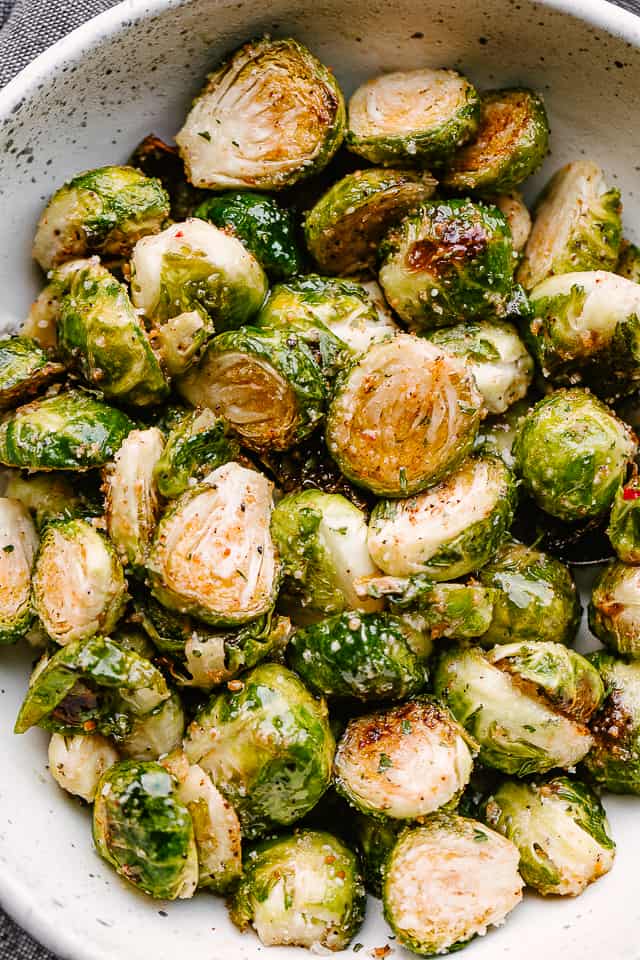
{"type": "Point", "coordinates": [561, 830]}
{"type": "Point", "coordinates": [198, 445]}
{"type": "Point", "coordinates": [132, 502]}
{"type": "Point", "coordinates": [54, 496]}
{"type": "Point", "coordinates": [213, 556]}
{"type": "Point", "coordinates": [435, 609]}
{"type": "Point", "coordinates": [99, 662]}
{"type": "Point", "coordinates": [415, 117]}
{"type": "Point", "coordinates": [156, 733]}
{"type": "Point", "coordinates": [369, 656]}
{"type": "Point", "coordinates": [517, 215]}
{"type": "Point", "coordinates": [451, 262]}
{"type": "Point", "coordinates": [101, 335]}
{"type": "Point", "coordinates": [376, 839]}
{"type": "Point", "coordinates": [18, 545]}
{"type": "Point", "coordinates": [447, 882]}
{"type": "Point", "coordinates": [572, 453]}
{"type": "Point", "coordinates": [402, 416]}
{"type": "Point", "coordinates": [449, 530]}
{"type": "Point", "coordinates": [268, 747]}
{"type": "Point", "coordinates": [403, 762]}
{"type": "Point", "coordinates": [511, 142]}
{"type": "Point", "coordinates": [535, 597]}
{"type": "Point", "coordinates": [576, 225]}
{"type": "Point", "coordinates": [266, 229]}
{"type": "Point", "coordinates": [322, 542]}
{"type": "Point", "coordinates": [143, 830]}
{"type": "Point", "coordinates": [79, 587]}
{"type": "Point", "coordinates": [263, 382]}
{"type": "Point", "coordinates": [628, 264]}
{"type": "Point", "coordinates": [71, 431]}
{"type": "Point", "coordinates": [344, 229]}
{"type": "Point", "coordinates": [614, 611]}
{"type": "Point", "coordinates": [193, 280]}
{"type": "Point", "coordinates": [102, 211]}
{"type": "Point", "coordinates": [78, 762]}
{"type": "Point", "coordinates": [585, 328]}
{"type": "Point", "coordinates": [624, 521]}
{"type": "Point", "coordinates": [25, 369]}
{"type": "Point", "coordinates": [215, 824]}
{"type": "Point", "coordinates": [614, 760]}
{"type": "Point", "coordinates": [268, 116]}
{"type": "Point", "coordinates": [304, 889]}
{"type": "Point", "coordinates": [520, 731]}
{"type": "Point", "coordinates": [501, 366]}
{"type": "Point", "coordinates": [42, 323]}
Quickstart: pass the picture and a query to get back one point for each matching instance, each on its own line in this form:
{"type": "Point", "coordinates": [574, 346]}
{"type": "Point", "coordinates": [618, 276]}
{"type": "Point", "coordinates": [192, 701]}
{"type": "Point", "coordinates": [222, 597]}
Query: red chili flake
{"type": "Point", "coordinates": [631, 493]}
{"type": "Point", "coordinates": [179, 234]}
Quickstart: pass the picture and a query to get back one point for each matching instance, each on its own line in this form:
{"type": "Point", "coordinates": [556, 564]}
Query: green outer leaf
{"type": "Point", "coordinates": [624, 522]}
{"type": "Point", "coordinates": [628, 264]}
{"type": "Point", "coordinates": [267, 230]}
{"type": "Point", "coordinates": [71, 431]}
{"type": "Point", "coordinates": [344, 228]}
{"type": "Point", "coordinates": [614, 609]}
{"type": "Point", "coordinates": [368, 656]}
{"type": "Point", "coordinates": [194, 448]}
{"type": "Point", "coordinates": [614, 761]}
{"type": "Point", "coordinates": [101, 661]}
{"type": "Point", "coordinates": [25, 369]}
{"type": "Point", "coordinates": [376, 839]}
{"type": "Point", "coordinates": [143, 830]}
{"type": "Point", "coordinates": [461, 610]}
{"type": "Point", "coordinates": [488, 164]}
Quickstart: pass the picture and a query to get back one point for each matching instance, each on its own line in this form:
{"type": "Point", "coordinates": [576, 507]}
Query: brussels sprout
{"type": "Point", "coordinates": [213, 556]}
{"type": "Point", "coordinates": [264, 383]}
{"type": "Point", "coordinates": [215, 824]}
{"type": "Point", "coordinates": [102, 211]}
{"type": "Point", "coordinates": [451, 262]}
{"type": "Point", "coordinates": [42, 323]}
{"type": "Point", "coordinates": [79, 587]}
{"type": "Point", "coordinates": [628, 264]}
{"type": "Point", "coordinates": [345, 227]}
{"type": "Point", "coordinates": [101, 663]}
{"type": "Point", "coordinates": [25, 369]}
{"type": "Point", "coordinates": [266, 229]}
{"type": "Point", "coordinates": [499, 361]}
{"type": "Point", "coordinates": [132, 503]}
{"type": "Point", "coordinates": [415, 117]}
{"type": "Point", "coordinates": [198, 445]}
{"type": "Point", "coordinates": [267, 746]}
{"type": "Point", "coordinates": [447, 882]}
{"type": "Point", "coordinates": [572, 454]}
{"type": "Point", "coordinates": [576, 226]}
{"type": "Point", "coordinates": [535, 597]}
{"type": "Point", "coordinates": [54, 496]}
{"type": "Point", "coordinates": [143, 830]}
{"type": "Point", "coordinates": [497, 434]}
{"type": "Point", "coordinates": [614, 760]}
{"type": "Point", "coordinates": [519, 729]}
{"type": "Point", "coordinates": [78, 762]}
{"type": "Point", "coordinates": [376, 839]}
{"type": "Point", "coordinates": [18, 545]}
{"type": "Point", "coordinates": [403, 762]}
{"type": "Point", "coordinates": [304, 889]}
{"type": "Point", "coordinates": [561, 830]}
{"type": "Point", "coordinates": [435, 609]}
{"type": "Point", "coordinates": [129, 637]}
{"type": "Point", "coordinates": [71, 431]}
{"type": "Point", "coordinates": [100, 333]}
{"type": "Point", "coordinates": [585, 328]}
{"type": "Point", "coordinates": [624, 521]}
{"type": "Point", "coordinates": [402, 416]}
{"type": "Point", "coordinates": [511, 142]}
{"type": "Point", "coordinates": [268, 116]}
{"type": "Point", "coordinates": [322, 541]}
{"type": "Point", "coordinates": [191, 280]}
{"type": "Point", "coordinates": [614, 611]}
{"type": "Point", "coordinates": [517, 215]}
{"type": "Point", "coordinates": [450, 530]}
{"type": "Point", "coordinates": [155, 734]}
{"type": "Point", "coordinates": [370, 656]}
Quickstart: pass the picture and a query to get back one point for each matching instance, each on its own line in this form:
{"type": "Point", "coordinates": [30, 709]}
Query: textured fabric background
{"type": "Point", "coordinates": [27, 28]}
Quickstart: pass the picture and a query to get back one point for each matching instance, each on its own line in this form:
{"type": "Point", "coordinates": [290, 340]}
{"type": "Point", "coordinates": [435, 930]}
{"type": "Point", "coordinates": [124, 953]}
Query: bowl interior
{"type": "Point", "coordinates": [87, 102]}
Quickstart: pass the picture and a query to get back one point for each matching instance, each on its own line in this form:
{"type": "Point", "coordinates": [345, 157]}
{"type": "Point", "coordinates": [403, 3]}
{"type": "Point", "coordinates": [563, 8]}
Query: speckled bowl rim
{"type": "Point", "coordinates": [72, 49]}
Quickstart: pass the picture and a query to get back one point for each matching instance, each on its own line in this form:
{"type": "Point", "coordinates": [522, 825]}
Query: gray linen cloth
{"type": "Point", "coordinates": [28, 28]}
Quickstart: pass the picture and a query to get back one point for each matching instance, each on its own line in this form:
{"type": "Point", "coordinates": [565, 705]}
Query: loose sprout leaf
{"type": "Point", "coordinates": [25, 370]}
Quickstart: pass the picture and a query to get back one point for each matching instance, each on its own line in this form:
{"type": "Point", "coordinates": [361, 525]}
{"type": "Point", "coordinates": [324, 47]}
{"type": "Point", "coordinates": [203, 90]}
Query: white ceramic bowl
{"type": "Point", "coordinates": [87, 102]}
